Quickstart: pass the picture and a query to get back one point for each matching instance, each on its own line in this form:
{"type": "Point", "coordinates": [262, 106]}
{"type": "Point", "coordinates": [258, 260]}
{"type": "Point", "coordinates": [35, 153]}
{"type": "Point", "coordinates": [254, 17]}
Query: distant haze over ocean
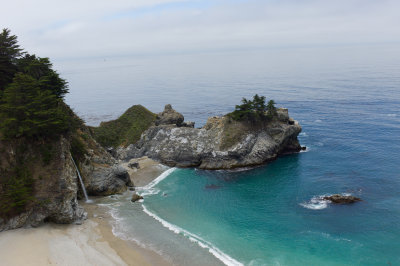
{"type": "Point", "coordinates": [203, 85]}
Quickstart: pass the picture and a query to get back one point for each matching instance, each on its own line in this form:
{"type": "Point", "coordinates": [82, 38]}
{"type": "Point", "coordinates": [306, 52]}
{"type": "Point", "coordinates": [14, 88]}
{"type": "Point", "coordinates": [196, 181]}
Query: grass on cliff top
{"type": "Point", "coordinates": [125, 130]}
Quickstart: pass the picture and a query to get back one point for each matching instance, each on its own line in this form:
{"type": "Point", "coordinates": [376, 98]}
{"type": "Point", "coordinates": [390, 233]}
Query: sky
{"type": "Point", "coordinates": [74, 29]}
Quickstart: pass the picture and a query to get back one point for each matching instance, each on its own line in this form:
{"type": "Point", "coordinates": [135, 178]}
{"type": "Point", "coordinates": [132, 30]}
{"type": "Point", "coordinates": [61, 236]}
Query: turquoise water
{"type": "Point", "coordinates": [348, 105]}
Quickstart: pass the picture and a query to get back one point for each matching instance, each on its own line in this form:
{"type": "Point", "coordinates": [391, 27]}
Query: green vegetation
{"type": "Point", "coordinates": [17, 191]}
{"type": "Point", "coordinates": [255, 110]}
{"type": "Point", "coordinates": [78, 148]}
{"type": "Point", "coordinates": [31, 93]}
{"type": "Point", "coordinates": [126, 129]}
{"type": "Point", "coordinates": [16, 185]}
{"type": "Point", "coordinates": [33, 116]}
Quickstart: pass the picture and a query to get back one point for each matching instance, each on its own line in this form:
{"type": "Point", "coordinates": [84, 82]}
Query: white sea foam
{"type": "Point", "coordinates": [318, 121]}
{"type": "Point", "coordinates": [149, 188]}
{"type": "Point", "coordinates": [392, 115]}
{"type": "Point", "coordinates": [119, 231]}
{"type": "Point", "coordinates": [303, 134]}
{"type": "Point", "coordinates": [227, 260]}
{"type": "Point", "coordinates": [316, 203]}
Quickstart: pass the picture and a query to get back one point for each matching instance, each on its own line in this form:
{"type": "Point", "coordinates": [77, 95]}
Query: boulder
{"type": "Point", "coordinates": [134, 165]}
{"type": "Point", "coordinates": [169, 117]}
{"type": "Point", "coordinates": [188, 124]}
{"type": "Point", "coordinates": [342, 199]}
{"type": "Point", "coordinates": [106, 180]}
{"type": "Point", "coordinates": [136, 197]}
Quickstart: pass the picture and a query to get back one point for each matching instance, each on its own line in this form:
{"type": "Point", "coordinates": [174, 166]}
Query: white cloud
{"type": "Point", "coordinates": [65, 29]}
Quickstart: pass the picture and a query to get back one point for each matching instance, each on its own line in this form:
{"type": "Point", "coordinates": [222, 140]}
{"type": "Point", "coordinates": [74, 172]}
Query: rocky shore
{"type": "Point", "coordinates": [222, 143]}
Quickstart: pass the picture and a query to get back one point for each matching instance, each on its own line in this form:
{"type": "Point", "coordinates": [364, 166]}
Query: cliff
{"type": "Point", "coordinates": [222, 143]}
{"type": "Point", "coordinates": [38, 183]}
{"type": "Point", "coordinates": [38, 179]}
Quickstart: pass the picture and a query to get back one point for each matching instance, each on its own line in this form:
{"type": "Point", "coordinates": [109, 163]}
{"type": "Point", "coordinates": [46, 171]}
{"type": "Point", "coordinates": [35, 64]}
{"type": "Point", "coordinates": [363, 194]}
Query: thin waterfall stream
{"type": "Point", "coordinates": [80, 179]}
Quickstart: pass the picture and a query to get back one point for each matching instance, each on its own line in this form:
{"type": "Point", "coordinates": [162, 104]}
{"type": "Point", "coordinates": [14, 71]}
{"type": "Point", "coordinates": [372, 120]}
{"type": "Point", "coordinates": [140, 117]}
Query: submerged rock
{"type": "Point", "coordinates": [222, 143]}
{"type": "Point", "coordinates": [342, 199]}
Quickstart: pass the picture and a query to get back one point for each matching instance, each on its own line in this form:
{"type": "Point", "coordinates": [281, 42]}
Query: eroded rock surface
{"type": "Point", "coordinates": [101, 173]}
{"type": "Point", "coordinates": [55, 196]}
{"type": "Point", "coordinates": [221, 144]}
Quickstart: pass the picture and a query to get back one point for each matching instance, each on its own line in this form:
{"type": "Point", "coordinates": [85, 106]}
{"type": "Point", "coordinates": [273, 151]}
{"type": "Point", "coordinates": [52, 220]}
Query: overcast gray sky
{"type": "Point", "coordinates": [104, 28]}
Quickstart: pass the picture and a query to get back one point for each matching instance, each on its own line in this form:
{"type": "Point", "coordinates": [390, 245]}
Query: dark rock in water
{"type": "Point", "coordinates": [131, 189]}
{"type": "Point", "coordinates": [303, 148]}
{"type": "Point", "coordinates": [342, 199]}
{"type": "Point", "coordinates": [136, 197]}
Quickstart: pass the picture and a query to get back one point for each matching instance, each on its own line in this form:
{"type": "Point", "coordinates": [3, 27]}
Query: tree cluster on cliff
{"type": "Point", "coordinates": [254, 110]}
{"type": "Point", "coordinates": [31, 93]}
{"type": "Point", "coordinates": [32, 114]}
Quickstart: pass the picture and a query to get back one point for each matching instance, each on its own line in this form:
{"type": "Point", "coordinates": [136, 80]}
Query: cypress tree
{"type": "Point", "coordinates": [9, 52]}
{"type": "Point", "coordinates": [29, 111]}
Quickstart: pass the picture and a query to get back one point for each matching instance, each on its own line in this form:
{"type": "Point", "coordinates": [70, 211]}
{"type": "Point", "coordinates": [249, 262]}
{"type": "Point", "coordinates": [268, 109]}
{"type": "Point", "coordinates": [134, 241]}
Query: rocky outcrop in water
{"type": "Point", "coordinates": [222, 143]}
{"type": "Point", "coordinates": [342, 199]}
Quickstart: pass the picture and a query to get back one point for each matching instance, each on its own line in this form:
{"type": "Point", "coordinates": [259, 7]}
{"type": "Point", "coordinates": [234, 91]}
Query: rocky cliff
{"type": "Point", "coordinates": [38, 179]}
{"type": "Point", "coordinates": [46, 191]}
{"type": "Point", "coordinates": [222, 143]}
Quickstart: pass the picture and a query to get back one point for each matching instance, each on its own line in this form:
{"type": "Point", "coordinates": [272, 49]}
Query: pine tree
{"type": "Point", "coordinates": [259, 107]}
{"type": "Point", "coordinates": [9, 52]}
{"type": "Point", "coordinates": [41, 69]}
{"type": "Point", "coordinates": [29, 111]}
{"type": "Point", "coordinates": [271, 109]}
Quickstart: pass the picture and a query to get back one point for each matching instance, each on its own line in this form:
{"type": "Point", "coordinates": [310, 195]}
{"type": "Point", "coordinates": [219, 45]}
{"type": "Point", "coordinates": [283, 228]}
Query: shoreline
{"type": "Point", "coordinates": [90, 243]}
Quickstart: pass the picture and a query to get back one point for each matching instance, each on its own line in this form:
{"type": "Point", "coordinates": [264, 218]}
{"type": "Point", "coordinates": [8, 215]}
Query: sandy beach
{"type": "Point", "coordinates": [91, 243]}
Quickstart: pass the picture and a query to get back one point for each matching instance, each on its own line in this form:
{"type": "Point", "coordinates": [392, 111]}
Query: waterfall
{"type": "Point", "coordinates": [80, 179]}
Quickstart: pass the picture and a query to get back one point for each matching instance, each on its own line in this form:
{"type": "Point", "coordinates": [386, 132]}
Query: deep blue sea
{"type": "Point", "coordinates": [347, 100]}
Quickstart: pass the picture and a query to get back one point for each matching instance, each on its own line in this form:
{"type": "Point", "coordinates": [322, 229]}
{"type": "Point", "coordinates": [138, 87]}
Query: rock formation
{"type": "Point", "coordinates": [55, 189]}
{"type": "Point", "coordinates": [342, 199]}
{"type": "Point", "coordinates": [136, 197]}
{"type": "Point", "coordinates": [101, 173]}
{"type": "Point", "coordinates": [222, 143]}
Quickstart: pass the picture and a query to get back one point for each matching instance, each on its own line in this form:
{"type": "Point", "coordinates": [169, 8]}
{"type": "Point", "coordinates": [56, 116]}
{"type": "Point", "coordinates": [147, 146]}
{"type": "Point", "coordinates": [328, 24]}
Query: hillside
{"type": "Point", "coordinates": [125, 130]}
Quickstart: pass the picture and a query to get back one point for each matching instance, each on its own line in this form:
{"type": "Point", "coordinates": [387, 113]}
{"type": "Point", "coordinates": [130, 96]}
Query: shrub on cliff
{"type": "Point", "coordinates": [254, 110]}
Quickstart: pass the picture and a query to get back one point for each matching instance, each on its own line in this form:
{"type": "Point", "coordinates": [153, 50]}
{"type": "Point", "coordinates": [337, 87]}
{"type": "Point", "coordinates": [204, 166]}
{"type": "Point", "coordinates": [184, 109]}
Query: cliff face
{"type": "Point", "coordinates": [221, 144]}
{"type": "Point", "coordinates": [100, 171]}
{"type": "Point", "coordinates": [38, 179]}
{"type": "Point", "coordinates": [53, 196]}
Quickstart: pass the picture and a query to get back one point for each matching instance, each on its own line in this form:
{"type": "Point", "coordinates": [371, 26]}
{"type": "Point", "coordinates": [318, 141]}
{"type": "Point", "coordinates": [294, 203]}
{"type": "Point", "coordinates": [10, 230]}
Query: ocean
{"type": "Point", "coordinates": [346, 99]}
